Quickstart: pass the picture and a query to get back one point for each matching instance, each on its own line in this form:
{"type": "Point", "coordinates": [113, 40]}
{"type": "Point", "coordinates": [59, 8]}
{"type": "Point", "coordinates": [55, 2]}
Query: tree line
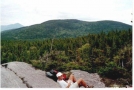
{"type": "Point", "coordinates": [109, 54]}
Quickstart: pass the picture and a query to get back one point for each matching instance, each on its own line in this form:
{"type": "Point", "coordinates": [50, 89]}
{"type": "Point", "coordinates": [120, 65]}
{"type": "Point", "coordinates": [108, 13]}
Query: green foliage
{"type": "Point", "coordinates": [111, 70]}
{"type": "Point", "coordinates": [109, 54]}
{"type": "Point", "coordinates": [36, 63]}
{"type": "Point", "coordinates": [62, 29]}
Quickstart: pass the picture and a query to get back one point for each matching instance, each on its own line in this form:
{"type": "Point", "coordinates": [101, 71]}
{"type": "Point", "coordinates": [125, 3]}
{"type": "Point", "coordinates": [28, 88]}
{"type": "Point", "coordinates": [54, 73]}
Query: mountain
{"type": "Point", "coordinates": [11, 26]}
{"type": "Point", "coordinates": [63, 29]}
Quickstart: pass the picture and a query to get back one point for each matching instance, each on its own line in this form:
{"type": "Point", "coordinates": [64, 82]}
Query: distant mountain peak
{"type": "Point", "coordinates": [11, 26]}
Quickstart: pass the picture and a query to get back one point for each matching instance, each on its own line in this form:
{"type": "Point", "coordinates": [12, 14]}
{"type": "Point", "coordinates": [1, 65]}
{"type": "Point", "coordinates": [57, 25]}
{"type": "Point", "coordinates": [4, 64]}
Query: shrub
{"type": "Point", "coordinates": [112, 71]}
{"type": "Point", "coordinates": [36, 63]}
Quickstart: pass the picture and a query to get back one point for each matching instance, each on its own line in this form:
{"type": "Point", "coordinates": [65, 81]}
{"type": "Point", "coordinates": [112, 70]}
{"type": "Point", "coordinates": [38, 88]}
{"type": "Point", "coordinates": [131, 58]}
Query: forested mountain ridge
{"type": "Point", "coordinates": [63, 29]}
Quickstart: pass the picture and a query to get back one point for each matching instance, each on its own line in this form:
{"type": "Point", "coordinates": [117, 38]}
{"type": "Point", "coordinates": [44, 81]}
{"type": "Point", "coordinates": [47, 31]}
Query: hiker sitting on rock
{"type": "Point", "coordinates": [71, 82]}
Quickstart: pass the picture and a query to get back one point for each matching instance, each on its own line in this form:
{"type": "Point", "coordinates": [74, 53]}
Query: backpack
{"type": "Point", "coordinates": [52, 74]}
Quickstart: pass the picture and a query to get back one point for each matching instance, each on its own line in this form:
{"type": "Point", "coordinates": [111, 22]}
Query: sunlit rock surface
{"type": "Point", "coordinates": [91, 79]}
{"type": "Point", "coordinates": [23, 75]}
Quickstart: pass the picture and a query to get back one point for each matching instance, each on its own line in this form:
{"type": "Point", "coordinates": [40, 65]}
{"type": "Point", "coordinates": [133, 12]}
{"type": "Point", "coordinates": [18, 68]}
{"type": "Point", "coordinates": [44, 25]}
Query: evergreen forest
{"type": "Point", "coordinates": [107, 53]}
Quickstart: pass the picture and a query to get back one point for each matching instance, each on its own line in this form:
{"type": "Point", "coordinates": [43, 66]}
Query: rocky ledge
{"type": "Point", "coordinates": [23, 75]}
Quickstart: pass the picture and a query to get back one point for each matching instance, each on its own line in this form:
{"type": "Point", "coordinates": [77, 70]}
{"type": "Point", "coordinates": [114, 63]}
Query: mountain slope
{"type": "Point", "coordinates": [63, 29]}
{"type": "Point", "coordinates": [11, 26]}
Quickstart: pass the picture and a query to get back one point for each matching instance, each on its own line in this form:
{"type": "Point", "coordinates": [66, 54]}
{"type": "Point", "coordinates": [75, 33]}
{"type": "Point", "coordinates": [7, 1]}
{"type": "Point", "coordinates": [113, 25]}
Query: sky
{"type": "Point", "coordinates": [29, 12]}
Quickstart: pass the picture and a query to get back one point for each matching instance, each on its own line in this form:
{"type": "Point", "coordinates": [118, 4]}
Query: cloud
{"type": "Point", "coordinates": [28, 12]}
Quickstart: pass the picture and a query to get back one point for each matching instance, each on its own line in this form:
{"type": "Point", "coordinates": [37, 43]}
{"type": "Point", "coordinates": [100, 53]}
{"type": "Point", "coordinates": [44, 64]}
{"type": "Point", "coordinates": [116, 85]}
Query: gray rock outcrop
{"type": "Point", "coordinates": [90, 78]}
{"type": "Point", "coordinates": [20, 74]}
{"type": "Point", "coordinates": [23, 75]}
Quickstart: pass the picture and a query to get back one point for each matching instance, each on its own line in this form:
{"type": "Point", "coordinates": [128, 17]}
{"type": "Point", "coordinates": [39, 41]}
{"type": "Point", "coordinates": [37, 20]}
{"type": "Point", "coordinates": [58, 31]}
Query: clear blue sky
{"type": "Point", "coordinates": [29, 12]}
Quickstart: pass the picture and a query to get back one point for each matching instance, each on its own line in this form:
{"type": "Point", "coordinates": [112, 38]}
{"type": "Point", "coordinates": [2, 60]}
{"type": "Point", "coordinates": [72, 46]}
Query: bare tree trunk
{"type": "Point", "coordinates": [51, 46]}
{"type": "Point", "coordinates": [122, 64]}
